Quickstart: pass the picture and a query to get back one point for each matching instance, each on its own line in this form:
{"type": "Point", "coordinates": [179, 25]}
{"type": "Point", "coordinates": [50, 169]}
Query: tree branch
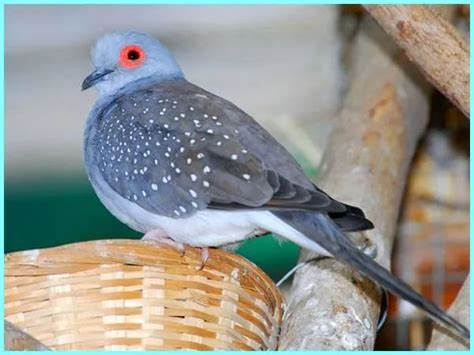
{"type": "Point", "coordinates": [442, 338]}
{"type": "Point", "coordinates": [430, 41]}
{"type": "Point", "coordinates": [18, 340]}
{"type": "Point", "coordinates": [366, 163]}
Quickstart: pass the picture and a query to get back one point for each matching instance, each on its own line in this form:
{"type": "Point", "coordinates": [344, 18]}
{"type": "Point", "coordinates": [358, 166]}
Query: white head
{"type": "Point", "coordinates": [124, 57]}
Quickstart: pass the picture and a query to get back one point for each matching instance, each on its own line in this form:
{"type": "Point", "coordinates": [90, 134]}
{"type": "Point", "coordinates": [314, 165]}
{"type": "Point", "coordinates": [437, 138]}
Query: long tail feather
{"type": "Point", "coordinates": [320, 229]}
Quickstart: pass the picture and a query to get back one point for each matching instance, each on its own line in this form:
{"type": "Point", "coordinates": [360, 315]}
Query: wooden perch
{"type": "Point", "coordinates": [442, 339]}
{"type": "Point", "coordinates": [366, 162]}
{"type": "Point", "coordinates": [433, 44]}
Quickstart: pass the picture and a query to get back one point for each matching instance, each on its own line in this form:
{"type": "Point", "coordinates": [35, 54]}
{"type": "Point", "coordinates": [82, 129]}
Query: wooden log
{"type": "Point", "coordinates": [331, 306]}
{"type": "Point", "coordinates": [430, 41]}
{"type": "Point", "coordinates": [442, 338]}
{"type": "Point", "coordinates": [18, 340]}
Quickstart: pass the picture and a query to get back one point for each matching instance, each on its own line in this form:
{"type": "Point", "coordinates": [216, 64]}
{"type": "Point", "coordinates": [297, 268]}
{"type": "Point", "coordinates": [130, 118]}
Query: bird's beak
{"type": "Point", "coordinates": [95, 77]}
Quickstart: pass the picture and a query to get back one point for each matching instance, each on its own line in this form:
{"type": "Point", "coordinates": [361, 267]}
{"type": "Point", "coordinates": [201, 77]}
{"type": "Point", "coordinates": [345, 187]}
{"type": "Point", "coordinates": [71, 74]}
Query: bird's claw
{"type": "Point", "coordinates": [368, 248]}
{"type": "Point", "coordinates": [204, 258]}
{"type": "Point", "coordinates": [158, 237]}
{"type": "Point", "coordinates": [364, 244]}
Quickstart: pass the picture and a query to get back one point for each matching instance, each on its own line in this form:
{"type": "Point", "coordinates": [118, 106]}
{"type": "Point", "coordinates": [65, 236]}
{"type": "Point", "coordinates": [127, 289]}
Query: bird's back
{"type": "Point", "coordinates": [174, 148]}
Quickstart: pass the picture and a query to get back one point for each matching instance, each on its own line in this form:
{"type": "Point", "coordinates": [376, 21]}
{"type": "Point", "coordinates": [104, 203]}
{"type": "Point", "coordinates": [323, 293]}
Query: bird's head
{"type": "Point", "coordinates": [123, 57]}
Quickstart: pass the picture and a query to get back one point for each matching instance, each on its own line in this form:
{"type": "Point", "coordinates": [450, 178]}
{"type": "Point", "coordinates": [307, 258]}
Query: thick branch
{"type": "Point", "coordinates": [442, 338]}
{"type": "Point", "coordinates": [433, 44]}
{"type": "Point", "coordinates": [366, 164]}
{"type": "Point", "coordinates": [18, 340]}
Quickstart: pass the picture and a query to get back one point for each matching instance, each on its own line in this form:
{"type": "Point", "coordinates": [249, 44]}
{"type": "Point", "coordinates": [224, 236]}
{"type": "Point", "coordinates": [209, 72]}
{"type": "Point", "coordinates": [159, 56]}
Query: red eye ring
{"type": "Point", "coordinates": [131, 56]}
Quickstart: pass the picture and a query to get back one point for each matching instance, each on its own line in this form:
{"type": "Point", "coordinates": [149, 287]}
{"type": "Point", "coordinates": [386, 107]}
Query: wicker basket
{"type": "Point", "coordinates": [137, 295]}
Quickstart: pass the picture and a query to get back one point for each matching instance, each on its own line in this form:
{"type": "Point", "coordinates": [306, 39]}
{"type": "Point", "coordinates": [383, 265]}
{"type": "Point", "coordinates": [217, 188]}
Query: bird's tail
{"type": "Point", "coordinates": [323, 231]}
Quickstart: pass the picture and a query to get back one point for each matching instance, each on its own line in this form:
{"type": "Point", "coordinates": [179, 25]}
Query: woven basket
{"type": "Point", "coordinates": [137, 295]}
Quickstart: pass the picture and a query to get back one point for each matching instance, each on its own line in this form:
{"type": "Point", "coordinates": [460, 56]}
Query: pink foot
{"type": "Point", "coordinates": [159, 237]}
{"type": "Point", "coordinates": [204, 258]}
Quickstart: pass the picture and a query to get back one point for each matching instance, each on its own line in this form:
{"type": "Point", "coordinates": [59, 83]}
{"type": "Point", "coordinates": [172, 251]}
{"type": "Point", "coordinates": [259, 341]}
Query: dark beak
{"type": "Point", "coordinates": [94, 78]}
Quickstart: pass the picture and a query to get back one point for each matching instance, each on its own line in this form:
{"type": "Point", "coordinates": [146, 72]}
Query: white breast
{"type": "Point", "coordinates": [208, 228]}
{"type": "Point", "coordinates": [204, 228]}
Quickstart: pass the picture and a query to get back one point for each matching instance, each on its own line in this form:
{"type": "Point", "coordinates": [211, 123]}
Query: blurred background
{"type": "Point", "coordinates": [284, 65]}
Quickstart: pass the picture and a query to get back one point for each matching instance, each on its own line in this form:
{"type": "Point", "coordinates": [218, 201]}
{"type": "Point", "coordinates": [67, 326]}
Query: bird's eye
{"type": "Point", "coordinates": [131, 56]}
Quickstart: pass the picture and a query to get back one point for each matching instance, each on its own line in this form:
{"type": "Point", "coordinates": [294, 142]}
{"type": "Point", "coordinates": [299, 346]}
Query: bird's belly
{"type": "Point", "coordinates": [209, 228]}
{"type": "Point", "coordinates": [203, 229]}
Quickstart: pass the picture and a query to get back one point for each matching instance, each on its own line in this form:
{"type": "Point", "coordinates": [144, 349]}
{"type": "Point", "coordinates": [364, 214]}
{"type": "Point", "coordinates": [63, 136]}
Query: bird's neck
{"type": "Point", "coordinates": [140, 83]}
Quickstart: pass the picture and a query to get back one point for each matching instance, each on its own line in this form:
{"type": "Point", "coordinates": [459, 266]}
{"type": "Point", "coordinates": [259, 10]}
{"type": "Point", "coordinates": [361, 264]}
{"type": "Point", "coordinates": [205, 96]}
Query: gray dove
{"type": "Point", "coordinates": [187, 167]}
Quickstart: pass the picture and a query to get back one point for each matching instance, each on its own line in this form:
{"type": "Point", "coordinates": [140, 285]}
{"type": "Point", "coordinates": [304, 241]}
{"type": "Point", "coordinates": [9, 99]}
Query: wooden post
{"type": "Point", "coordinates": [442, 338]}
{"type": "Point", "coordinates": [433, 44]}
{"type": "Point", "coordinates": [366, 163]}
{"type": "Point", "coordinates": [18, 340]}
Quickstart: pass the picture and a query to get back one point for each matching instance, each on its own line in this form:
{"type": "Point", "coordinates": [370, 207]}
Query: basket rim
{"type": "Point", "coordinates": [89, 254]}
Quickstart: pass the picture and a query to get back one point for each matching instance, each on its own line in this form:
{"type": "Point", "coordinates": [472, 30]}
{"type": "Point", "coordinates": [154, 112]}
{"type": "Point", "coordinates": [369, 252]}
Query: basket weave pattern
{"type": "Point", "coordinates": [137, 295]}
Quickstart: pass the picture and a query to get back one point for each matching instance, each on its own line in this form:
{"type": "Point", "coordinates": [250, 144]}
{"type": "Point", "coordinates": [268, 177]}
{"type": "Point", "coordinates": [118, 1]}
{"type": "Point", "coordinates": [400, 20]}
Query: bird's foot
{"type": "Point", "coordinates": [369, 248]}
{"type": "Point", "coordinates": [365, 245]}
{"type": "Point", "coordinates": [159, 237]}
{"type": "Point", "coordinates": [204, 258]}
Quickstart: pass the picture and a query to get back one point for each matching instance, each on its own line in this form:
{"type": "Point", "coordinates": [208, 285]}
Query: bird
{"type": "Point", "coordinates": [187, 167]}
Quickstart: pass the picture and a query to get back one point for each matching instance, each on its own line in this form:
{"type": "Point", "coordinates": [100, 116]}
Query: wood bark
{"type": "Point", "coordinates": [331, 306]}
{"type": "Point", "coordinates": [18, 340]}
{"type": "Point", "coordinates": [431, 42]}
{"type": "Point", "coordinates": [442, 338]}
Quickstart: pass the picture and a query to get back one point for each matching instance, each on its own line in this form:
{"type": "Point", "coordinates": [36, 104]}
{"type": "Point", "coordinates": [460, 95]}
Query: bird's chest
{"type": "Point", "coordinates": [143, 156]}
{"type": "Point", "coordinates": [204, 228]}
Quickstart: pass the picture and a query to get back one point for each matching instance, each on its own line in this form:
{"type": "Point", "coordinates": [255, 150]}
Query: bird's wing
{"type": "Point", "coordinates": [178, 149]}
